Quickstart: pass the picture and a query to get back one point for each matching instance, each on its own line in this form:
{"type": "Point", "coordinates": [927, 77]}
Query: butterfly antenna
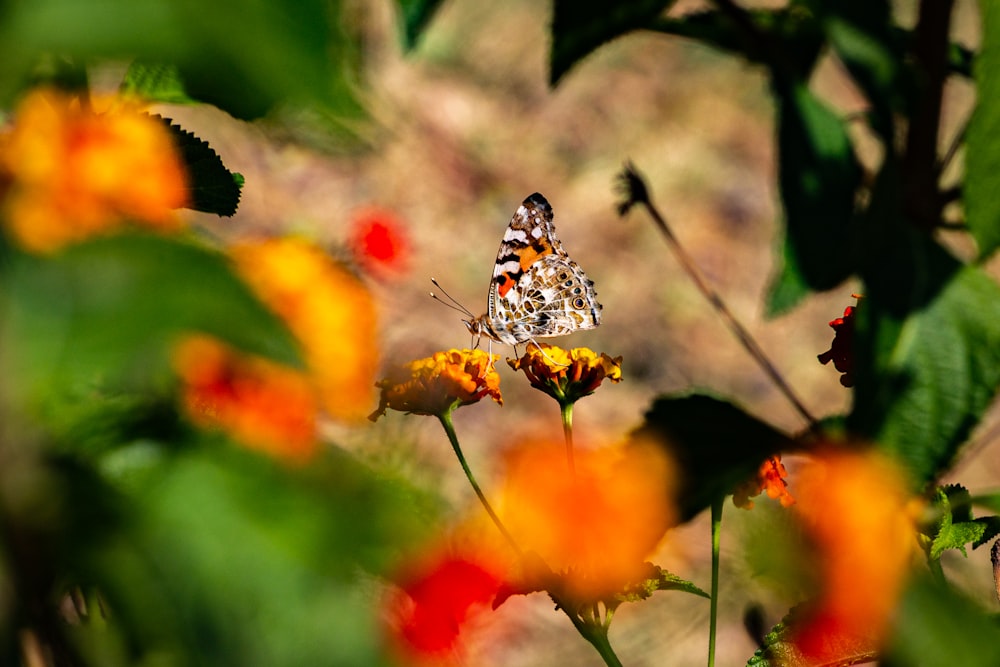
{"type": "Point", "coordinates": [452, 302]}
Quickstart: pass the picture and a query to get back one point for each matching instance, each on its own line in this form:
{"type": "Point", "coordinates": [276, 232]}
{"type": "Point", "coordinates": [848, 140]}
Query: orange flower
{"type": "Point", "coordinates": [567, 375]}
{"type": "Point", "coordinates": [328, 309]}
{"type": "Point", "coordinates": [438, 597]}
{"type": "Point", "coordinates": [770, 477]}
{"type": "Point", "coordinates": [259, 403]}
{"type": "Point", "coordinates": [594, 528]}
{"type": "Point", "coordinates": [378, 242]}
{"type": "Point", "coordinates": [73, 173]}
{"type": "Point", "coordinates": [841, 351]}
{"type": "Point", "coordinates": [856, 509]}
{"type": "Point", "coordinates": [437, 384]}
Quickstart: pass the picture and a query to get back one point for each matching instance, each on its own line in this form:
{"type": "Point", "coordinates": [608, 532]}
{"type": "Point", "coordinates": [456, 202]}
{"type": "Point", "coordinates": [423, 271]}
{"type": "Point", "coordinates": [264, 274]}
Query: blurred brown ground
{"type": "Point", "coordinates": [466, 127]}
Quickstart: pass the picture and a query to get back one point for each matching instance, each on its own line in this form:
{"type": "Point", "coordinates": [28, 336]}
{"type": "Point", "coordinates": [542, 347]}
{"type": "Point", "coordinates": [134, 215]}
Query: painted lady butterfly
{"type": "Point", "coordinates": [537, 291]}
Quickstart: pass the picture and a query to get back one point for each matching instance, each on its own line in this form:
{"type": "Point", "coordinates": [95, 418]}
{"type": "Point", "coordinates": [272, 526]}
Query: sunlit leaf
{"type": "Point", "coordinates": [155, 82]}
{"type": "Point", "coordinates": [982, 157]}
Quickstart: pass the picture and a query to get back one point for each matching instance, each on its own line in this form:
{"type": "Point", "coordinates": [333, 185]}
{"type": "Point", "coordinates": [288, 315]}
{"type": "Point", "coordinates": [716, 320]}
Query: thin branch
{"type": "Point", "coordinates": [637, 193]}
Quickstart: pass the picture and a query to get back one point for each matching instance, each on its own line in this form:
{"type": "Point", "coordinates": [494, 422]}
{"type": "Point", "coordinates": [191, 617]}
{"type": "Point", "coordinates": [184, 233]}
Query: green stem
{"type": "Point", "coordinates": [714, 603]}
{"type": "Point", "coordinates": [449, 429]}
{"type": "Point", "coordinates": [597, 635]}
{"type": "Point", "coordinates": [566, 408]}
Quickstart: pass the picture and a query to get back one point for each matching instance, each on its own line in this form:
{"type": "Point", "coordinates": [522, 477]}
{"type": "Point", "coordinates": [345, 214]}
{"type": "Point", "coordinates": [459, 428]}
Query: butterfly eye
{"type": "Point", "coordinates": [579, 302]}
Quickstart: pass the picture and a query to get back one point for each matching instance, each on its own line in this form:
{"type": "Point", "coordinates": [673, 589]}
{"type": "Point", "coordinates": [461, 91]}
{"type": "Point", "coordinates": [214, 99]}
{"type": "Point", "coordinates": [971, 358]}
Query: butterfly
{"type": "Point", "coordinates": [537, 291]}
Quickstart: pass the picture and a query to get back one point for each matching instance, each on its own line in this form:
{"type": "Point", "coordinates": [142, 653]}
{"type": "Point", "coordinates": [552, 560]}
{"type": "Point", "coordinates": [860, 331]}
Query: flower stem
{"type": "Point", "coordinates": [597, 635]}
{"type": "Point", "coordinates": [566, 408]}
{"type": "Point", "coordinates": [639, 194]}
{"type": "Point", "coordinates": [449, 429]}
{"type": "Point", "coordinates": [714, 602]}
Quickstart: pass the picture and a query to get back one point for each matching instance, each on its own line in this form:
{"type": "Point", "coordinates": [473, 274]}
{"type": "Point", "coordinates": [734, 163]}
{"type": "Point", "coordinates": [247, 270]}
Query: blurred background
{"type": "Point", "coordinates": [461, 130]}
{"type": "Point", "coordinates": [457, 133]}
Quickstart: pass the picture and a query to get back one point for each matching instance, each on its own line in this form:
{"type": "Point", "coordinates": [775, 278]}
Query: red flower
{"type": "Point", "coordinates": [841, 351]}
{"type": "Point", "coordinates": [378, 241]}
{"type": "Point", "coordinates": [436, 600]}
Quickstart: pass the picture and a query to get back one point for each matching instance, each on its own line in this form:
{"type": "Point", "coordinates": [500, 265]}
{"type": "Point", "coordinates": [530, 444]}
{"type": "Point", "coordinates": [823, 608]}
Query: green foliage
{"type": "Point", "coordinates": [982, 159]}
{"type": "Point", "coordinates": [155, 83]}
{"type": "Point", "coordinates": [115, 305]}
{"type": "Point", "coordinates": [714, 444]}
{"type": "Point", "coordinates": [658, 580]}
{"type": "Point", "coordinates": [938, 627]}
{"type": "Point", "coordinates": [580, 27]}
{"type": "Point", "coordinates": [956, 526]}
{"type": "Point", "coordinates": [416, 15]}
{"type": "Point", "coordinates": [245, 57]}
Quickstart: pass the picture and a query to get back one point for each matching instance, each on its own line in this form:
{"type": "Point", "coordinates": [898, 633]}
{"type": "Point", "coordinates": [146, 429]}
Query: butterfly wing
{"type": "Point", "coordinates": [537, 290]}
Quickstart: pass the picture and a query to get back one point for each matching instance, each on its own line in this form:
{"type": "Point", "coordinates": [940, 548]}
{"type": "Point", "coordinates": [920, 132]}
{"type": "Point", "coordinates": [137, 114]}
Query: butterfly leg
{"type": "Point", "coordinates": [539, 348]}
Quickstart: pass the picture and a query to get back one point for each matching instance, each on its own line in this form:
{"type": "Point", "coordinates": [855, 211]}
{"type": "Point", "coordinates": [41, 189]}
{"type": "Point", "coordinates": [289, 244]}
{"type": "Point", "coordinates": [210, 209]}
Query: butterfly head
{"type": "Point", "coordinates": [479, 327]}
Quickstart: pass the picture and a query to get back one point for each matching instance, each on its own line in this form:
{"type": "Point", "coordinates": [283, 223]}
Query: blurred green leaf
{"type": "Point", "coordinates": [787, 286]}
{"type": "Point", "coordinates": [250, 563]}
{"type": "Point", "coordinates": [580, 27]}
{"type": "Point", "coordinates": [714, 444]}
{"type": "Point", "coordinates": [780, 650]}
{"type": "Point", "coordinates": [244, 56]}
{"type": "Point", "coordinates": [155, 82]}
{"type": "Point", "coordinates": [982, 145]}
{"type": "Point", "coordinates": [818, 176]}
{"type": "Point", "coordinates": [416, 15]}
{"type": "Point", "coordinates": [110, 309]}
{"type": "Point", "coordinates": [936, 627]}
{"type": "Point", "coordinates": [213, 188]}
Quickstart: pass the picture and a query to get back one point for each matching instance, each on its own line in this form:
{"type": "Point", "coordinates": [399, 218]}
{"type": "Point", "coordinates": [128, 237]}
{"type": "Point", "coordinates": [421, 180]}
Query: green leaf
{"type": "Point", "coordinates": [580, 27]}
{"type": "Point", "coordinates": [861, 35]}
{"type": "Point", "coordinates": [936, 627]}
{"type": "Point", "coordinates": [788, 286]}
{"type": "Point", "coordinates": [955, 528]}
{"type": "Point", "coordinates": [155, 82]}
{"type": "Point", "coordinates": [245, 56]}
{"type": "Point", "coordinates": [658, 579]}
{"type": "Point", "coordinates": [714, 444]}
{"type": "Point", "coordinates": [927, 354]}
{"type": "Point", "coordinates": [818, 176]}
{"type": "Point", "coordinates": [213, 188]}
{"type": "Point", "coordinates": [790, 39]}
{"type": "Point", "coordinates": [112, 307]}
{"type": "Point", "coordinates": [982, 157]}
{"type": "Point", "coordinates": [252, 564]}
{"type": "Point", "coordinates": [416, 15]}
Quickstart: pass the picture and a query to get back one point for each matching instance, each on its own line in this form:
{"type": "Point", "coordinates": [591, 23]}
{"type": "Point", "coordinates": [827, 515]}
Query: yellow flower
{"type": "Point", "coordinates": [567, 375]}
{"type": "Point", "coordinates": [328, 309]}
{"type": "Point", "coordinates": [261, 404]}
{"type": "Point", "coordinates": [437, 384]}
{"type": "Point", "coordinates": [72, 173]}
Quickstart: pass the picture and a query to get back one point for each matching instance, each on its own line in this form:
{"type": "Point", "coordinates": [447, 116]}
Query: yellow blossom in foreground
{"type": "Point", "coordinates": [436, 384]}
{"type": "Point", "coordinates": [857, 511]}
{"type": "Point", "coordinates": [594, 527]}
{"type": "Point", "coordinates": [72, 173]}
{"type": "Point", "coordinates": [259, 403]}
{"type": "Point", "coordinates": [567, 375]}
{"type": "Point", "coordinates": [770, 477]}
{"type": "Point", "coordinates": [329, 310]}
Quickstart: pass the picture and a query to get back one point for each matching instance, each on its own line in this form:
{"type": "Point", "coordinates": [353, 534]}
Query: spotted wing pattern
{"type": "Point", "coordinates": [537, 291]}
